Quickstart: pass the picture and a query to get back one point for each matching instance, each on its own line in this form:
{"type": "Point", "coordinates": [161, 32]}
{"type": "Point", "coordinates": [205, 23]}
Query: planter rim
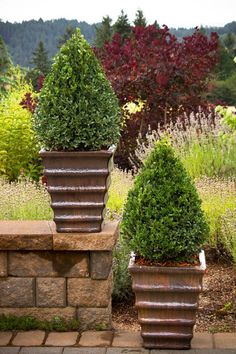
{"type": "Point", "coordinates": [54, 153]}
{"type": "Point", "coordinates": [166, 269]}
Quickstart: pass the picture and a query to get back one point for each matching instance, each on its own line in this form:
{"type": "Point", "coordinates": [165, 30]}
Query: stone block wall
{"type": "Point", "coordinates": [46, 274]}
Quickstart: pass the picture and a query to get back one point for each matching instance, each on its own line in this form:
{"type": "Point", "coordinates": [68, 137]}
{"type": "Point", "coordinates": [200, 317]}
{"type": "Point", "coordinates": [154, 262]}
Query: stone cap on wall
{"type": "Point", "coordinates": [42, 235]}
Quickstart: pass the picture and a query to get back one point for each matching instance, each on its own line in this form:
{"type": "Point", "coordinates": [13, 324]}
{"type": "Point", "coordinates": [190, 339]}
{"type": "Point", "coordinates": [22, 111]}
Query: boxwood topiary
{"type": "Point", "coordinates": [77, 108]}
{"type": "Point", "coordinates": [162, 218]}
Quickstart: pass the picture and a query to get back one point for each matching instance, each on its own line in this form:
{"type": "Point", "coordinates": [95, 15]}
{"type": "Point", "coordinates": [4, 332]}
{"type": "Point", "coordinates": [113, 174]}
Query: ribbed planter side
{"type": "Point", "coordinates": [167, 301]}
{"type": "Point", "coordinates": [78, 184]}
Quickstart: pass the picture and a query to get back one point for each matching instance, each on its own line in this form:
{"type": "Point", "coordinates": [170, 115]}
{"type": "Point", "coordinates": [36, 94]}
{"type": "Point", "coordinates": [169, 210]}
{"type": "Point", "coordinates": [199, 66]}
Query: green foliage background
{"type": "Point", "coordinates": [18, 143]}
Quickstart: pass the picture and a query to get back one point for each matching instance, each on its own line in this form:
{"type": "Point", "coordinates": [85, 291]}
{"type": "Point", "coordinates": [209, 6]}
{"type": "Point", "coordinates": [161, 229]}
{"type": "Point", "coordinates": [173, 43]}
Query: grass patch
{"type": "Point", "coordinates": [219, 204]}
{"type": "Point", "coordinates": [121, 182]}
{"type": "Point", "coordinates": [24, 200]}
{"type": "Point", "coordinates": [27, 323]}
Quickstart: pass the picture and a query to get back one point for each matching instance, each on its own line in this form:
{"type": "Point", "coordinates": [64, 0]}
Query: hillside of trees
{"type": "Point", "coordinates": [23, 38]}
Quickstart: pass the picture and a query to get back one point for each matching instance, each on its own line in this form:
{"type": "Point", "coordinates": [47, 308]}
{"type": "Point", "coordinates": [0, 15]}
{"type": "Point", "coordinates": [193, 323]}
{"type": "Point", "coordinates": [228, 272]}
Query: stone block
{"type": "Point", "coordinates": [138, 351]}
{"type": "Point", "coordinates": [42, 350]}
{"type": "Point", "coordinates": [96, 339]}
{"type": "Point", "coordinates": [5, 338]}
{"type": "Point", "coordinates": [89, 292]}
{"type": "Point", "coordinates": [49, 264]}
{"type": "Point", "coordinates": [100, 264]}
{"type": "Point", "coordinates": [225, 340]}
{"type": "Point", "coordinates": [25, 235]}
{"type": "Point", "coordinates": [97, 241]}
{"type": "Point", "coordinates": [209, 351]}
{"type": "Point", "coordinates": [127, 339]}
{"type": "Point", "coordinates": [17, 292]}
{"type": "Point", "coordinates": [202, 340]}
{"type": "Point", "coordinates": [9, 350]}
{"type": "Point", "coordinates": [42, 313]}
{"type": "Point", "coordinates": [62, 339]}
{"type": "Point", "coordinates": [85, 350]}
{"type": "Point", "coordinates": [93, 318]}
{"type": "Point", "coordinates": [51, 292]}
{"type": "Point", "coordinates": [3, 264]}
{"type": "Point", "coordinates": [29, 338]}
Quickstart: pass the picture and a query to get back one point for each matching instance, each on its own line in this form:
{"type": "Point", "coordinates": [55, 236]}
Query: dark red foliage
{"type": "Point", "coordinates": [29, 102]}
{"type": "Point", "coordinates": [40, 82]}
{"type": "Point", "coordinates": [152, 65]}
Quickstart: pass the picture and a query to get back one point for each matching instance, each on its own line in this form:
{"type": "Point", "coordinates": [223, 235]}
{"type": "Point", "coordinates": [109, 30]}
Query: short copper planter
{"type": "Point", "coordinates": [78, 184]}
{"type": "Point", "coordinates": [167, 301]}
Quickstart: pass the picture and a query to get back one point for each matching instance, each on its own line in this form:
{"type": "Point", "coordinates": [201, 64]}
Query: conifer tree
{"type": "Point", "coordinates": [122, 26]}
{"type": "Point", "coordinates": [67, 35]}
{"type": "Point", "coordinates": [103, 32]}
{"type": "Point", "coordinates": [40, 59]}
{"type": "Point", "coordinates": [140, 20]}
{"type": "Point", "coordinates": [5, 60]}
{"type": "Point", "coordinates": [230, 43]}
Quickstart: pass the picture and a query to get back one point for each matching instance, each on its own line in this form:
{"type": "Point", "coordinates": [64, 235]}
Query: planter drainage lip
{"type": "Point", "coordinates": [135, 268]}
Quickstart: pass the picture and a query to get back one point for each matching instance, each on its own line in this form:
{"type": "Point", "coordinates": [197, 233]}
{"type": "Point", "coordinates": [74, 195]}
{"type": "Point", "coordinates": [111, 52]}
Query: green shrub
{"type": "Point", "coordinates": [121, 277]}
{"type": "Point", "coordinates": [228, 116]}
{"type": "Point", "coordinates": [224, 91]}
{"type": "Point", "coordinates": [77, 108]}
{"type": "Point", "coordinates": [18, 142]}
{"type": "Point", "coordinates": [162, 218]}
{"type": "Point", "coordinates": [27, 323]}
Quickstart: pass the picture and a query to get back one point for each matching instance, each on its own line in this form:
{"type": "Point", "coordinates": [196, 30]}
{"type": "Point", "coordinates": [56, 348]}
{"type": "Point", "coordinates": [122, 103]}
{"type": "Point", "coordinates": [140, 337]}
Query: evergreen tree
{"type": "Point", "coordinates": [5, 60]}
{"type": "Point", "coordinates": [40, 59]}
{"type": "Point", "coordinates": [226, 66]}
{"type": "Point", "coordinates": [122, 26]}
{"type": "Point", "coordinates": [103, 32]}
{"type": "Point", "coordinates": [5, 64]}
{"type": "Point", "coordinates": [230, 43]}
{"type": "Point", "coordinates": [67, 35]}
{"type": "Point", "coordinates": [140, 20]}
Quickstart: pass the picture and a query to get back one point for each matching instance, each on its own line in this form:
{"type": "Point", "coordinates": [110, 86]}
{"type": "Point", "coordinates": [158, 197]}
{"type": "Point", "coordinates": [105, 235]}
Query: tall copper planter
{"type": "Point", "coordinates": [78, 184]}
{"type": "Point", "coordinates": [167, 301]}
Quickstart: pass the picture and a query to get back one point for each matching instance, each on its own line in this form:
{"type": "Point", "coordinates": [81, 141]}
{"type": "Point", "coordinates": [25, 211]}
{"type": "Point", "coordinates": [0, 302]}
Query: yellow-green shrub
{"type": "Point", "coordinates": [18, 143]}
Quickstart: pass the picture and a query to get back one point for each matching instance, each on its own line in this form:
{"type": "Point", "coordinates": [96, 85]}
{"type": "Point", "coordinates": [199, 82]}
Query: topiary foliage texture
{"type": "Point", "coordinates": [77, 108]}
{"type": "Point", "coordinates": [163, 219]}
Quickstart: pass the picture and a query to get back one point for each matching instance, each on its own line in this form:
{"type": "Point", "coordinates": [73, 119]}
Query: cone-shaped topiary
{"type": "Point", "coordinates": [77, 108]}
{"type": "Point", "coordinates": [163, 219]}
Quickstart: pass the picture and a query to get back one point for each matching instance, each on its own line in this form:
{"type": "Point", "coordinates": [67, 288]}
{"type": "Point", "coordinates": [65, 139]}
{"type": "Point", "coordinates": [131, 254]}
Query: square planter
{"type": "Point", "coordinates": [167, 301]}
{"type": "Point", "coordinates": [78, 184]}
